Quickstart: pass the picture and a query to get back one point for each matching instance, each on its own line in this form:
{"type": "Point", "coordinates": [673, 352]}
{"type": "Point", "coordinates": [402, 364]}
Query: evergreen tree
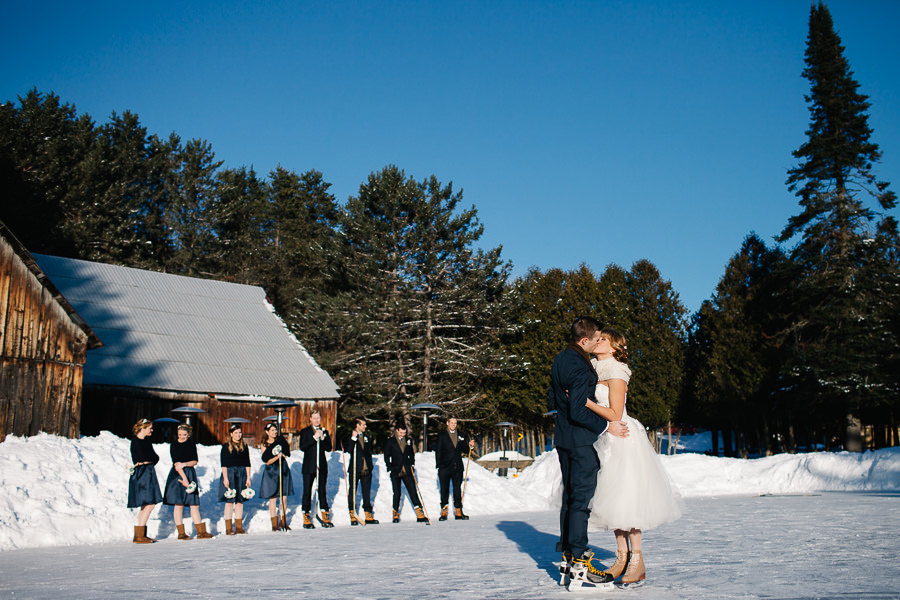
{"type": "Point", "coordinates": [424, 319]}
{"type": "Point", "coordinates": [842, 341]}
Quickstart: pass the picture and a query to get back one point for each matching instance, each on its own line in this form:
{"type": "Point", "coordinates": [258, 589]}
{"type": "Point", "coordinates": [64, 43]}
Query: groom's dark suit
{"type": "Point", "coordinates": [572, 382]}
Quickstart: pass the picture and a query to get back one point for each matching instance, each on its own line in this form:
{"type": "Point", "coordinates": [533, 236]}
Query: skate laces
{"type": "Point", "coordinates": [586, 559]}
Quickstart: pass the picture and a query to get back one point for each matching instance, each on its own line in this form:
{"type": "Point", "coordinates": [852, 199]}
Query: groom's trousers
{"type": "Point", "coordinates": [579, 466]}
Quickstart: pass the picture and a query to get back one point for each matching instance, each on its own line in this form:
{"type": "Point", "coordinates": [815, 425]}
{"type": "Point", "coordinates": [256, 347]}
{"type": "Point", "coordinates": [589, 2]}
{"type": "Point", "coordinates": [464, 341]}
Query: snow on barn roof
{"type": "Point", "coordinates": [171, 332]}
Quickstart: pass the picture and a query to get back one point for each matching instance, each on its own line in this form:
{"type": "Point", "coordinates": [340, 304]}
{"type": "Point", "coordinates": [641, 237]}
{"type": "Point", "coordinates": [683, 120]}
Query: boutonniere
{"type": "Point", "coordinates": [461, 437]}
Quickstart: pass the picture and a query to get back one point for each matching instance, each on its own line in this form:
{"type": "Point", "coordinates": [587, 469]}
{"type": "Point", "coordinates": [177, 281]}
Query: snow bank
{"type": "Point", "coordinates": [55, 491]}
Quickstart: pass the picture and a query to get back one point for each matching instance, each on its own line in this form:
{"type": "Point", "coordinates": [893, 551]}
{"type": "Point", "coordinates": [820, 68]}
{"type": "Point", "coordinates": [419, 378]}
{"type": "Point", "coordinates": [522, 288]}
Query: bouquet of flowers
{"type": "Point", "coordinates": [130, 470]}
{"type": "Point", "coordinates": [276, 450]}
{"type": "Point", "coordinates": [247, 493]}
{"type": "Point", "coordinates": [230, 493]}
{"type": "Point", "coordinates": [192, 487]}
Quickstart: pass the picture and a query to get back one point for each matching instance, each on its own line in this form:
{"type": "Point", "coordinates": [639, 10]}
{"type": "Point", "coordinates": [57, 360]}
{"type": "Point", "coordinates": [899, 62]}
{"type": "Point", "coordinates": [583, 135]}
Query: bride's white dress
{"type": "Point", "coordinates": [633, 489]}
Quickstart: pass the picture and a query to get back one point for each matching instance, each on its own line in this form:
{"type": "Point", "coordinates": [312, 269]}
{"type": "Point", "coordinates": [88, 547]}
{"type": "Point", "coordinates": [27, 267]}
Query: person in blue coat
{"type": "Point", "coordinates": [572, 384]}
{"type": "Point", "coordinates": [143, 486]}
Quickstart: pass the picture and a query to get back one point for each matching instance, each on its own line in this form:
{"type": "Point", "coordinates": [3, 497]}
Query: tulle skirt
{"type": "Point", "coordinates": [177, 493]}
{"type": "Point", "coordinates": [633, 489]}
{"type": "Point", "coordinates": [143, 487]}
{"type": "Point", "coordinates": [268, 487]}
{"type": "Point", "coordinates": [237, 479]}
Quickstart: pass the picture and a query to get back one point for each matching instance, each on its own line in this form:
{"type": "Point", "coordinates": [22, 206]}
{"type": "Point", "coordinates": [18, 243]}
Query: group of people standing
{"type": "Point", "coordinates": [276, 483]}
{"type": "Point", "coordinates": [612, 477]}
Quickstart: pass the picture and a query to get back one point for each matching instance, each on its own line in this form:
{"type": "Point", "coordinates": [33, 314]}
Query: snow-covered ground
{"type": "Point", "coordinates": [752, 529]}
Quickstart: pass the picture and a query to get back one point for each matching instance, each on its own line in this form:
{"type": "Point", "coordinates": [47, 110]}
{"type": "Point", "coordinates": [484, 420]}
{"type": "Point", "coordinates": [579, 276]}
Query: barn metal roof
{"type": "Point", "coordinates": [171, 332]}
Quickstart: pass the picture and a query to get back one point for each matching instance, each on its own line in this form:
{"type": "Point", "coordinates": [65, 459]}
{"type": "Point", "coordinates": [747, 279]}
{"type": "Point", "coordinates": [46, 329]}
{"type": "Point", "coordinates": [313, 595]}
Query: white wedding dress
{"type": "Point", "coordinates": [633, 489]}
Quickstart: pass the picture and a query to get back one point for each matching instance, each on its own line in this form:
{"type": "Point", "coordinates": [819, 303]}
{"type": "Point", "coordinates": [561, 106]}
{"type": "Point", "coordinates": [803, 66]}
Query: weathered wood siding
{"type": "Point", "coordinates": [42, 354]}
{"type": "Point", "coordinates": [118, 409]}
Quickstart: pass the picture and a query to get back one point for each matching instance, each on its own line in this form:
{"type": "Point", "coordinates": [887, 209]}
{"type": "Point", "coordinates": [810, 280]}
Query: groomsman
{"type": "Point", "coordinates": [315, 442]}
{"type": "Point", "coordinates": [448, 452]}
{"type": "Point", "coordinates": [400, 461]}
{"type": "Point", "coordinates": [359, 448]}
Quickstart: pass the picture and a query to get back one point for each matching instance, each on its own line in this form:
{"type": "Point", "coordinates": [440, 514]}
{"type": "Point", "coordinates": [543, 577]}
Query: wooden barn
{"type": "Point", "coordinates": [43, 343]}
{"type": "Point", "coordinates": [172, 341]}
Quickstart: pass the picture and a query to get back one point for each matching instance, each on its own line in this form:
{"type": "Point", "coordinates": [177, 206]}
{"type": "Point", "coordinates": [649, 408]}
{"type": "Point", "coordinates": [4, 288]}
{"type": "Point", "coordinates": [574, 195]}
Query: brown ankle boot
{"type": "Point", "coordinates": [420, 515]}
{"type": "Point", "coordinates": [307, 521]}
{"type": "Point", "coordinates": [444, 513]}
{"type": "Point", "coordinates": [326, 520]}
{"type": "Point", "coordinates": [274, 523]}
{"type": "Point", "coordinates": [635, 571]}
{"type": "Point", "coordinates": [181, 534]}
{"type": "Point", "coordinates": [202, 533]}
{"type": "Point", "coordinates": [239, 526]}
{"type": "Point", "coordinates": [284, 524]}
{"type": "Point", "coordinates": [396, 516]}
{"type": "Point", "coordinates": [354, 520]}
{"type": "Point", "coordinates": [459, 516]}
{"type": "Point", "coordinates": [228, 530]}
{"type": "Point", "coordinates": [140, 535]}
{"type": "Point", "coordinates": [618, 567]}
{"type": "Point", "coordinates": [370, 519]}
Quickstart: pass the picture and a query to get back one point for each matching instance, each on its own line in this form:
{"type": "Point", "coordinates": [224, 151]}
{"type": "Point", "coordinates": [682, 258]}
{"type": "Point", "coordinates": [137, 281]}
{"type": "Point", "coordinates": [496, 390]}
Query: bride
{"type": "Point", "coordinates": [634, 492]}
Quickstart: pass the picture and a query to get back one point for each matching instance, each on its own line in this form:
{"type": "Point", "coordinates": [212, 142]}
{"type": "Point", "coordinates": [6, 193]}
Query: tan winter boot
{"type": "Point", "coordinates": [354, 520]}
{"type": "Point", "coordinates": [444, 511]}
{"type": "Point", "coordinates": [239, 526]}
{"type": "Point", "coordinates": [140, 535]}
{"type": "Point", "coordinates": [181, 534]}
{"type": "Point", "coordinates": [618, 567]}
{"type": "Point", "coordinates": [635, 572]}
{"type": "Point", "coordinates": [325, 520]}
{"type": "Point", "coordinates": [307, 521]}
{"type": "Point", "coordinates": [396, 516]}
{"type": "Point", "coordinates": [228, 530]}
{"type": "Point", "coordinates": [420, 515]}
{"type": "Point", "coordinates": [202, 533]}
{"type": "Point", "coordinates": [274, 523]}
{"type": "Point", "coordinates": [459, 516]}
{"type": "Point", "coordinates": [370, 519]}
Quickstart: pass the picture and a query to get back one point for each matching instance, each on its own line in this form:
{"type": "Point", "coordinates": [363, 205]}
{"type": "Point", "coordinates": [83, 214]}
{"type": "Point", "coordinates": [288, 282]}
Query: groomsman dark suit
{"type": "Point", "coordinates": [359, 471]}
{"type": "Point", "coordinates": [400, 461]}
{"type": "Point", "coordinates": [572, 382]}
{"type": "Point", "coordinates": [310, 437]}
{"type": "Point", "coordinates": [449, 449]}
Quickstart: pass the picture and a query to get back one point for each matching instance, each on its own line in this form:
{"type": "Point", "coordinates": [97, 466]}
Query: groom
{"type": "Point", "coordinates": [572, 383]}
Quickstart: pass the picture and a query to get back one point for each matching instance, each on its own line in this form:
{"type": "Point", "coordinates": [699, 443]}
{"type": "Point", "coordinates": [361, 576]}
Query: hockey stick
{"type": "Point", "coordinates": [419, 492]}
{"type": "Point", "coordinates": [466, 478]}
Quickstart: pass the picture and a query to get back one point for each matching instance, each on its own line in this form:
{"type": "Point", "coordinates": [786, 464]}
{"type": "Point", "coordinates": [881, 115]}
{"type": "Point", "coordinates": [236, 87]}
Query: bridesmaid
{"type": "Point", "coordinates": [234, 486]}
{"type": "Point", "coordinates": [275, 449]}
{"type": "Point", "coordinates": [182, 487]}
{"type": "Point", "coordinates": [143, 487]}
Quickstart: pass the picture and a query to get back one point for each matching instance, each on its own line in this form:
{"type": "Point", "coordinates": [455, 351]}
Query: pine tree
{"type": "Point", "coordinates": [841, 338]}
{"type": "Point", "coordinates": [422, 317]}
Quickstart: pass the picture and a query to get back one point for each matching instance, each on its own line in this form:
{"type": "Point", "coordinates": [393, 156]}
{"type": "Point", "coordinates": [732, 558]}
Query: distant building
{"type": "Point", "coordinates": [43, 342]}
{"type": "Point", "coordinates": [172, 341]}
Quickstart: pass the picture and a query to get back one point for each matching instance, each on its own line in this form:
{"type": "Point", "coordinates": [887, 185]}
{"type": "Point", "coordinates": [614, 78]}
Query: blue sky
{"type": "Point", "coordinates": [596, 132]}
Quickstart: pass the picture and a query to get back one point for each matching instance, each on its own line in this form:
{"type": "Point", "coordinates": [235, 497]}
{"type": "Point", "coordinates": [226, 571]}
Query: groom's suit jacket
{"type": "Point", "coordinates": [572, 382]}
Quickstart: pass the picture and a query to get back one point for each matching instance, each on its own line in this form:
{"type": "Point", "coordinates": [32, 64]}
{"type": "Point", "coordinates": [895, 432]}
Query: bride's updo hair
{"type": "Point", "coordinates": [617, 341]}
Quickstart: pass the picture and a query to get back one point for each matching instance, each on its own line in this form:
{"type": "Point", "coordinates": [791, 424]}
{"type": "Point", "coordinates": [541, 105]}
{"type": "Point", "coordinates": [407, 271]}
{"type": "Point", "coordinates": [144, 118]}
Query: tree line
{"type": "Point", "coordinates": [393, 295]}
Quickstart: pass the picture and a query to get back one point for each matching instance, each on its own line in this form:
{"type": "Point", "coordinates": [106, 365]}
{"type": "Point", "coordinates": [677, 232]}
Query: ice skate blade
{"type": "Point", "coordinates": [636, 584]}
{"type": "Point", "coordinates": [576, 585]}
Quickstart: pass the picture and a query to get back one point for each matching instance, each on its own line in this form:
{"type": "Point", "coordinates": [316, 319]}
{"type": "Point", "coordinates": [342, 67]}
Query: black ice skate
{"type": "Point", "coordinates": [584, 575]}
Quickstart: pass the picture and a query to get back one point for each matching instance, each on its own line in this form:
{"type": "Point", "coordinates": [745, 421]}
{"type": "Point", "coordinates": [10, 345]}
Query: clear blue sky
{"type": "Point", "coordinates": [596, 132]}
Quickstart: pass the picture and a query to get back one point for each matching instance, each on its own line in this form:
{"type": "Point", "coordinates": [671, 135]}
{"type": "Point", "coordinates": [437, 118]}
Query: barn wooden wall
{"type": "Point", "coordinates": [118, 409]}
{"type": "Point", "coordinates": [42, 354]}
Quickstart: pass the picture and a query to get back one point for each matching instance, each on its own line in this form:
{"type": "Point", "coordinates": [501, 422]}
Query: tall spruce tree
{"type": "Point", "coordinates": [424, 317]}
{"type": "Point", "coordinates": [842, 339]}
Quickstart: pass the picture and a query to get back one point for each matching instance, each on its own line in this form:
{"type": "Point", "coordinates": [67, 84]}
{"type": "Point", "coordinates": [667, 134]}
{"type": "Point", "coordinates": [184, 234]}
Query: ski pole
{"type": "Point", "coordinates": [466, 478]}
{"type": "Point", "coordinates": [418, 491]}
